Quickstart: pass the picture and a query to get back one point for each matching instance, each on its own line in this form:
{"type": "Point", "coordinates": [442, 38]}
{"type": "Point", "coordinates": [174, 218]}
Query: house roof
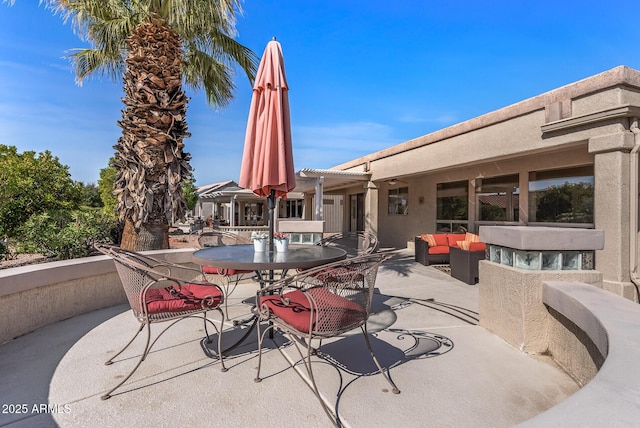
{"type": "Point", "coordinates": [307, 178]}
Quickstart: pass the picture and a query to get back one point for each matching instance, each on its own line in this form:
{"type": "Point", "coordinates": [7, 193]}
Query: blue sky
{"type": "Point", "coordinates": [363, 75]}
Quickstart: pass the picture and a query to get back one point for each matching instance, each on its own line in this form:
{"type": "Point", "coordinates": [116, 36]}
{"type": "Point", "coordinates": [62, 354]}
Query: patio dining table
{"type": "Point", "coordinates": [244, 257]}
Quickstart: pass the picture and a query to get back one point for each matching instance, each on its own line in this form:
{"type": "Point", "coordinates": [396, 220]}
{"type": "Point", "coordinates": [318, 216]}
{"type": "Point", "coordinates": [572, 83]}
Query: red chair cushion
{"type": "Point", "coordinates": [440, 238]}
{"type": "Point", "coordinates": [332, 309]}
{"type": "Point", "coordinates": [477, 246]}
{"type": "Point", "coordinates": [211, 270]}
{"type": "Point", "coordinates": [440, 249]}
{"type": "Point", "coordinates": [189, 297]}
{"type": "Point", "coordinates": [453, 239]}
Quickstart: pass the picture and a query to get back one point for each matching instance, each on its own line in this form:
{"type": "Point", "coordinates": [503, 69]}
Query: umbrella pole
{"type": "Point", "coordinates": [271, 199]}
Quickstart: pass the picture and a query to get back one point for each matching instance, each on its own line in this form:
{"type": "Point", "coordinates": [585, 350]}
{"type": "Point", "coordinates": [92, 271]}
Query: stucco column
{"type": "Point", "coordinates": [307, 212]}
{"type": "Point", "coordinates": [371, 207]}
{"type": "Point", "coordinates": [523, 199]}
{"type": "Point", "coordinates": [611, 207]}
{"type": "Point", "coordinates": [471, 210]}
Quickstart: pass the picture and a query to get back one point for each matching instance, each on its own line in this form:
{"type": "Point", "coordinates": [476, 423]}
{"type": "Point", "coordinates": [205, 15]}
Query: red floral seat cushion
{"type": "Point", "coordinates": [332, 310]}
{"type": "Point", "coordinates": [186, 298]}
{"type": "Point", "coordinates": [211, 270]}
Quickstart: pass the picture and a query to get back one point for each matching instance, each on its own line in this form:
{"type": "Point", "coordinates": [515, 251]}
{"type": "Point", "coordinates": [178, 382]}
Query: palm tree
{"type": "Point", "coordinates": [154, 45]}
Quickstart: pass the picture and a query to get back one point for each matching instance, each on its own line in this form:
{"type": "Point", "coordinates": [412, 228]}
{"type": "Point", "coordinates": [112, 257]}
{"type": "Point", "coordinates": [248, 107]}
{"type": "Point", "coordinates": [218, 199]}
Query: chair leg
{"type": "Point", "coordinates": [149, 345]}
{"type": "Point", "coordinates": [220, 353]}
{"type": "Point", "coordinates": [261, 334]}
{"type": "Point", "coordinates": [306, 360]}
{"type": "Point", "coordinates": [394, 388]}
{"type": "Point", "coordinates": [110, 360]}
{"type": "Point", "coordinates": [142, 357]}
{"type": "Point", "coordinates": [228, 293]}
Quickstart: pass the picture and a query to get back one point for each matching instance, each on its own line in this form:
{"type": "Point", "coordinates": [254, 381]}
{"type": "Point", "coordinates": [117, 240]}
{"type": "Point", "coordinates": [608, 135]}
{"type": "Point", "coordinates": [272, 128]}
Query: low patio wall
{"type": "Point", "coordinates": [585, 326]}
{"type": "Point", "coordinates": [37, 295]}
{"type": "Point", "coordinates": [597, 328]}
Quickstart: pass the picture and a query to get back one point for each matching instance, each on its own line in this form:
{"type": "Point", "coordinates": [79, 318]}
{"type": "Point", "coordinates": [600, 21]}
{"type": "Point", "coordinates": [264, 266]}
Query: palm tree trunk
{"type": "Point", "coordinates": [148, 236]}
{"type": "Point", "coordinates": [150, 160]}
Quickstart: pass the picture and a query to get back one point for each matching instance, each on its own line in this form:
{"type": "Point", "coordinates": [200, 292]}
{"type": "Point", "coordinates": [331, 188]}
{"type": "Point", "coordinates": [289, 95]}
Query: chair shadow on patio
{"type": "Point", "coordinates": [348, 356]}
{"type": "Point", "coordinates": [246, 348]}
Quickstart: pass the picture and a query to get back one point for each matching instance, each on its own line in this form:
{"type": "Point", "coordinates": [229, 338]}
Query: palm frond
{"type": "Point", "coordinates": [200, 16]}
{"type": "Point", "coordinates": [201, 71]}
{"type": "Point", "coordinates": [227, 50]}
{"type": "Point", "coordinates": [90, 61]}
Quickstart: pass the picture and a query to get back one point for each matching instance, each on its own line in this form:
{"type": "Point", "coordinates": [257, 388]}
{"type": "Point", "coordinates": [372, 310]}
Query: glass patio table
{"type": "Point", "coordinates": [244, 257]}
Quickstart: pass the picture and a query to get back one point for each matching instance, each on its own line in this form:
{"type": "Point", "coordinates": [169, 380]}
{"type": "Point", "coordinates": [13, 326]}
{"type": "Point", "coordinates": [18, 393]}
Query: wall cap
{"type": "Point", "coordinates": [535, 238]}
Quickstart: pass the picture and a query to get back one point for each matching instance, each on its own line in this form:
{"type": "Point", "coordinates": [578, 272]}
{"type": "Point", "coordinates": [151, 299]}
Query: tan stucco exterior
{"type": "Point", "coordinates": [586, 123]}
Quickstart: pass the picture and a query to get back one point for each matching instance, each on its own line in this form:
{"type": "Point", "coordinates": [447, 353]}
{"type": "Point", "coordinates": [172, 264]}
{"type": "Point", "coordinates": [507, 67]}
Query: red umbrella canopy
{"type": "Point", "coordinates": [267, 161]}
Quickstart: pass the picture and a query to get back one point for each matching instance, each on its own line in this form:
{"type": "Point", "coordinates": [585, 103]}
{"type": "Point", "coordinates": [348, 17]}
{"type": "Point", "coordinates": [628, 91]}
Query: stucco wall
{"type": "Point", "coordinates": [572, 349]}
{"type": "Point", "coordinates": [395, 230]}
{"type": "Point", "coordinates": [34, 296]}
{"type": "Point", "coordinates": [510, 302]}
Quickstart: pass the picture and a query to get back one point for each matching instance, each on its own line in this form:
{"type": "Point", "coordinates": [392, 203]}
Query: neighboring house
{"type": "Point", "coordinates": [565, 158]}
{"type": "Point", "coordinates": [228, 204]}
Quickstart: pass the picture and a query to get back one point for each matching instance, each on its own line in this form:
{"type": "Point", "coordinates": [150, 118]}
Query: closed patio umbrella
{"type": "Point", "coordinates": [267, 160]}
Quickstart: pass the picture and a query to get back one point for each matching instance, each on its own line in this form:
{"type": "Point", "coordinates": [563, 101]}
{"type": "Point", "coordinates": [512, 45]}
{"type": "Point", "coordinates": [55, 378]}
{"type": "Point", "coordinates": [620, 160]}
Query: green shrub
{"type": "Point", "coordinates": [32, 184]}
{"type": "Point", "coordinates": [66, 234]}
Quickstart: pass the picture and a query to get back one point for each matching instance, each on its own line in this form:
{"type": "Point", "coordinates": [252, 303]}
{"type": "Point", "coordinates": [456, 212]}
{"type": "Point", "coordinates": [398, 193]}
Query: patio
{"type": "Point", "coordinates": [451, 371]}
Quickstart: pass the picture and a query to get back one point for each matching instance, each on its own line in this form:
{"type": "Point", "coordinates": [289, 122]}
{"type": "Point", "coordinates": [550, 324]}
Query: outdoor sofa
{"type": "Point", "coordinates": [435, 248]}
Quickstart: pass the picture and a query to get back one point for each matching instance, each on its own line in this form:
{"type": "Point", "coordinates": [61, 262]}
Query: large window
{"type": "Point", "coordinates": [561, 196]}
{"type": "Point", "coordinates": [452, 206]}
{"type": "Point", "coordinates": [398, 201]}
{"type": "Point", "coordinates": [498, 198]}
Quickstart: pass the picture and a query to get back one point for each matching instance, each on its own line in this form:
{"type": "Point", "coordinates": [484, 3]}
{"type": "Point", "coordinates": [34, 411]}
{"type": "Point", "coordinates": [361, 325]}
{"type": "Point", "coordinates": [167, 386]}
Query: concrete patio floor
{"type": "Point", "coordinates": [452, 372]}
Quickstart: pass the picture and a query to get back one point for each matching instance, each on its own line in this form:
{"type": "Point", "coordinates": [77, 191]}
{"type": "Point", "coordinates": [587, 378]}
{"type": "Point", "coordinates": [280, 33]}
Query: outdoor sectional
{"type": "Point", "coordinates": [435, 248]}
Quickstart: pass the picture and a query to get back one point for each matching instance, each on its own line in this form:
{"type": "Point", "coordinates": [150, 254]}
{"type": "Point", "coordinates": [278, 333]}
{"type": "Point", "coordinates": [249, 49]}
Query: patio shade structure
{"type": "Point", "coordinates": [267, 160]}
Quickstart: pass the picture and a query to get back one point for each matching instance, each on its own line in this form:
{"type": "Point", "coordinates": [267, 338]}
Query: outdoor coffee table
{"type": "Point", "coordinates": [244, 257]}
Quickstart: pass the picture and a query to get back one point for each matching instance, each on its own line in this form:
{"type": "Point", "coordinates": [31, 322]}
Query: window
{"type": "Point", "coordinates": [294, 208]}
{"type": "Point", "coordinates": [452, 206]}
{"type": "Point", "coordinates": [398, 201]}
{"type": "Point", "coordinates": [561, 196]}
{"type": "Point", "coordinates": [254, 214]}
{"type": "Point", "coordinates": [498, 198]}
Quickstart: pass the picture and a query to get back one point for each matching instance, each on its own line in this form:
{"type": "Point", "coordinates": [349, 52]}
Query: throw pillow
{"type": "Point", "coordinates": [431, 240]}
{"type": "Point", "coordinates": [472, 237]}
{"type": "Point", "coordinates": [463, 245]}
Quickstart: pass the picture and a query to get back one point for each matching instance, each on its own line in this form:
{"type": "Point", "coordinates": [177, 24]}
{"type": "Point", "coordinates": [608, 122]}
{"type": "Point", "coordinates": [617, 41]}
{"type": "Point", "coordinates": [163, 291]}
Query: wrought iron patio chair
{"type": "Point", "coordinates": [321, 303]}
{"type": "Point", "coordinates": [160, 291]}
{"type": "Point", "coordinates": [354, 243]}
{"type": "Point", "coordinates": [219, 238]}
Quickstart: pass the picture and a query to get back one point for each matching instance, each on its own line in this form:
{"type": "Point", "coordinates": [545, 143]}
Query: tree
{"type": "Point", "coordinates": [66, 234]}
{"type": "Point", "coordinates": [106, 184]}
{"type": "Point", "coordinates": [190, 194]}
{"type": "Point", "coordinates": [90, 195]}
{"type": "Point", "coordinates": [154, 45]}
{"type": "Point", "coordinates": [31, 184]}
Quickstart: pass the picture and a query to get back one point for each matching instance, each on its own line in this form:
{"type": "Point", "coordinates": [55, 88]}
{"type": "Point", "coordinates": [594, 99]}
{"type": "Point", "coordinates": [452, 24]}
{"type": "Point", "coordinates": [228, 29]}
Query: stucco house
{"type": "Point", "coordinates": [565, 158]}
